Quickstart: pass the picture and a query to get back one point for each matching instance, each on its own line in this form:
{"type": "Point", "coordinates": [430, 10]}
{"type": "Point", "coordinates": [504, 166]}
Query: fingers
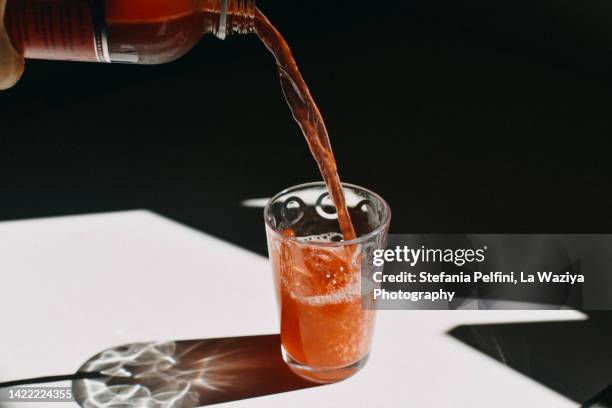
{"type": "Point", "coordinates": [11, 62]}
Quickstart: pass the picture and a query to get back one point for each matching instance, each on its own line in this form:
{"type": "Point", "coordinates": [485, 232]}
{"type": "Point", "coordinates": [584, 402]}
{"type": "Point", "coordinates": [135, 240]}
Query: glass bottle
{"type": "Point", "coordinates": [127, 31]}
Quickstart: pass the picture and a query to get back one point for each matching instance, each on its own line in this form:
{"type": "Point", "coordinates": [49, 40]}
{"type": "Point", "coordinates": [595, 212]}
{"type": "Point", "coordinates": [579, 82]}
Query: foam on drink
{"type": "Point", "coordinates": [327, 237]}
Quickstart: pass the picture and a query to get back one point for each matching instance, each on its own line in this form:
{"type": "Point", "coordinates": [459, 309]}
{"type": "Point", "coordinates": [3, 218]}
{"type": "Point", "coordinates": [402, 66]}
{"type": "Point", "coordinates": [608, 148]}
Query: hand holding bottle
{"type": "Point", "coordinates": [11, 62]}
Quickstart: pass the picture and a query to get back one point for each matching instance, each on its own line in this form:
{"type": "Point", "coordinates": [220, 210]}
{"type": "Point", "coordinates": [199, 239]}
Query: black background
{"type": "Point", "coordinates": [471, 116]}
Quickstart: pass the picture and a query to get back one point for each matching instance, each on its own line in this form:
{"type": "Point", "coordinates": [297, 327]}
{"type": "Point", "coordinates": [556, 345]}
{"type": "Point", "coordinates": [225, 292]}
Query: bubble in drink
{"type": "Point", "coordinates": [322, 321]}
{"type": "Point", "coordinates": [328, 237]}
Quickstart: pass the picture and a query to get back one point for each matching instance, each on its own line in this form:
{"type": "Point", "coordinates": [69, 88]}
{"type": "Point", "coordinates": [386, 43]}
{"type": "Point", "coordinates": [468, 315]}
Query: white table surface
{"type": "Point", "coordinates": [73, 286]}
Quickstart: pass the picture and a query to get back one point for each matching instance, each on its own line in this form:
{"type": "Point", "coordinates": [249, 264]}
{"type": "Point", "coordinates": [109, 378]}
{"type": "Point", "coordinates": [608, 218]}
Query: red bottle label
{"type": "Point", "coordinates": [70, 30]}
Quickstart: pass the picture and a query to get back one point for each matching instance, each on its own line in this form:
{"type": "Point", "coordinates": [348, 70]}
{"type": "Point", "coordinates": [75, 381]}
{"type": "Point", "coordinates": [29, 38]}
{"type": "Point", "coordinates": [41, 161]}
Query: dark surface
{"type": "Point", "coordinates": [472, 116]}
{"type": "Point", "coordinates": [570, 357]}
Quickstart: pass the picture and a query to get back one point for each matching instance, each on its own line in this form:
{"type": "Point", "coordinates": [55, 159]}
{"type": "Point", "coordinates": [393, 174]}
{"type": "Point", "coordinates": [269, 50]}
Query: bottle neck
{"type": "Point", "coordinates": [235, 17]}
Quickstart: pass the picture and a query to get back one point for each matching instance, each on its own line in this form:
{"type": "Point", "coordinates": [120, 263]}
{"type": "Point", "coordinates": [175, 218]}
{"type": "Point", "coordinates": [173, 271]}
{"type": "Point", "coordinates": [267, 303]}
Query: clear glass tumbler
{"type": "Point", "coordinates": [326, 331]}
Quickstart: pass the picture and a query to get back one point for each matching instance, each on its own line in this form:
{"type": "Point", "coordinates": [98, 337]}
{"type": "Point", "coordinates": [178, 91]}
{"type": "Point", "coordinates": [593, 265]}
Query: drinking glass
{"type": "Point", "coordinates": [326, 325]}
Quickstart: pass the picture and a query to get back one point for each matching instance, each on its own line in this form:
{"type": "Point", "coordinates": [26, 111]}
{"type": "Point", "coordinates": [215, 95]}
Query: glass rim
{"type": "Point", "coordinates": [383, 225]}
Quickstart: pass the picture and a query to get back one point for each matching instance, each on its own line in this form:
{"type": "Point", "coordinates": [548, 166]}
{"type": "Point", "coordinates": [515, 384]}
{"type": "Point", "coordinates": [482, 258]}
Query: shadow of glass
{"type": "Point", "coordinates": [573, 358]}
{"type": "Point", "coordinates": [186, 374]}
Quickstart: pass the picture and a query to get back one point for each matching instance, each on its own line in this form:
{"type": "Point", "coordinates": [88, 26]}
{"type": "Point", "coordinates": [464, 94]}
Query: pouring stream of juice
{"type": "Point", "coordinates": [307, 115]}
